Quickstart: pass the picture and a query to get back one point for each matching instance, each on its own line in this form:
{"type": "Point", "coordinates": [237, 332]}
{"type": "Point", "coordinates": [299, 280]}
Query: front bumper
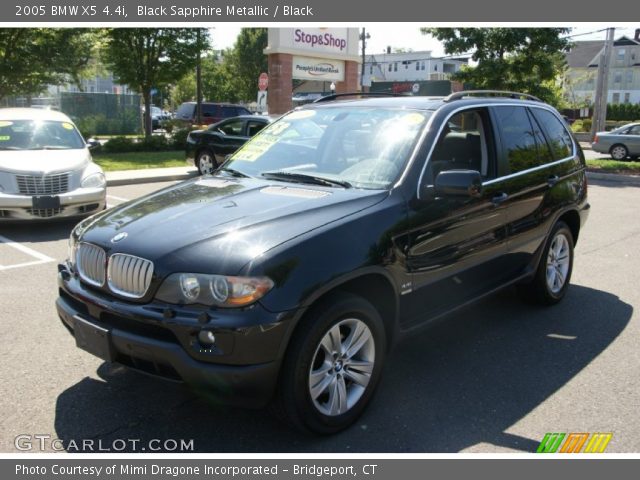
{"type": "Point", "coordinates": [240, 369]}
{"type": "Point", "coordinates": [79, 202]}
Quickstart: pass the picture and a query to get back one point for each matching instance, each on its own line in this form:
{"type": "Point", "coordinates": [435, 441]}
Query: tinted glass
{"type": "Point", "coordinates": [254, 127]}
{"type": "Point", "coordinates": [557, 134]}
{"type": "Point", "coordinates": [209, 110]}
{"type": "Point", "coordinates": [519, 138]}
{"type": "Point", "coordinates": [634, 130]}
{"type": "Point", "coordinates": [232, 128]}
{"type": "Point", "coordinates": [39, 135]}
{"type": "Point", "coordinates": [230, 112]}
{"type": "Point", "coordinates": [367, 147]}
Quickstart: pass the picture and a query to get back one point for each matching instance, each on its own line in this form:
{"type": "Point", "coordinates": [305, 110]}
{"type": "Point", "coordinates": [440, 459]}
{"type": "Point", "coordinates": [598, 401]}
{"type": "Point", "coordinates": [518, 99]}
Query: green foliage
{"type": "Point", "coordinates": [524, 60]}
{"type": "Point", "coordinates": [119, 145]}
{"type": "Point", "coordinates": [148, 58]}
{"type": "Point", "coordinates": [623, 111]}
{"type": "Point", "coordinates": [179, 138]}
{"type": "Point", "coordinates": [245, 61]}
{"type": "Point", "coordinates": [32, 58]}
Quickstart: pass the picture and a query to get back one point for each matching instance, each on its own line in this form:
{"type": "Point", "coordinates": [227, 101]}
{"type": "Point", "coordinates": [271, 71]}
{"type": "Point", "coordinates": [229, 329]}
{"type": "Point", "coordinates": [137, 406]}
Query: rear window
{"type": "Point", "coordinates": [557, 134]}
{"type": "Point", "coordinates": [186, 111]}
{"type": "Point", "coordinates": [209, 110]}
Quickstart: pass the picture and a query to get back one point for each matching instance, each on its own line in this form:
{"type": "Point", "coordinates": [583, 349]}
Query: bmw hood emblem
{"type": "Point", "coordinates": [119, 237]}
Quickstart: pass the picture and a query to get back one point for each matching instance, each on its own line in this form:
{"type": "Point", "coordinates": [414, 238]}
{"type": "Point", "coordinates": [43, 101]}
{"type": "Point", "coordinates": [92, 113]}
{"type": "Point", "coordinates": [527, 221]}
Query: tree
{"type": "Point", "coordinates": [527, 60]}
{"type": "Point", "coordinates": [32, 58]}
{"type": "Point", "coordinates": [152, 58]}
{"type": "Point", "coordinates": [246, 61]}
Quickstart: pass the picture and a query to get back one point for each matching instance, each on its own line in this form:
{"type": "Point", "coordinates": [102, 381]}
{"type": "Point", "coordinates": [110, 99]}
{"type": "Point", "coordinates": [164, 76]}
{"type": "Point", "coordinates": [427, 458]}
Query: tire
{"type": "Point", "coordinates": [206, 162]}
{"type": "Point", "coordinates": [619, 152]}
{"type": "Point", "coordinates": [553, 275]}
{"type": "Point", "coordinates": [317, 391]}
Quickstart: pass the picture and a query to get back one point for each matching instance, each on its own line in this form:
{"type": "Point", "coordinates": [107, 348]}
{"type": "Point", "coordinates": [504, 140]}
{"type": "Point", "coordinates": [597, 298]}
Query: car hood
{"type": "Point", "coordinates": [43, 161]}
{"type": "Point", "coordinates": [219, 224]}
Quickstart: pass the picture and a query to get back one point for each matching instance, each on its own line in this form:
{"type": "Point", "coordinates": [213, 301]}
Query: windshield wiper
{"type": "Point", "coordinates": [306, 178]}
{"type": "Point", "coordinates": [235, 173]}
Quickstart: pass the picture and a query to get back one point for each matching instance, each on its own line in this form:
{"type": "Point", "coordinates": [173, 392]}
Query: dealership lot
{"type": "Point", "coordinates": [493, 378]}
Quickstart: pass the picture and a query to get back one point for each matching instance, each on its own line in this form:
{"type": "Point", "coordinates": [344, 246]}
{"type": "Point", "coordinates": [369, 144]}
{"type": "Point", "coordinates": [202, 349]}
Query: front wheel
{"type": "Point", "coordinates": [550, 284]}
{"type": "Point", "coordinates": [206, 162]}
{"type": "Point", "coordinates": [332, 366]}
{"type": "Point", "coordinates": [619, 152]}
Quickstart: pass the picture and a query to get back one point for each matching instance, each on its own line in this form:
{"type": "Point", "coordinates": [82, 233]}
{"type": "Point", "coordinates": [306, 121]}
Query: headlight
{"type": "Point", "coordinates": [73, 244]}
{"type": "Point", "coordinates": [218, 290]}
{"type": "Point", "coordinates": [95, 180]}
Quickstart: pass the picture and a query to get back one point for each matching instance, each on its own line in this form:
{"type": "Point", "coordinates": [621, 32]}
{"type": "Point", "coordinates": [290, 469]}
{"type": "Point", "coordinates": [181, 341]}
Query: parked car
{"type": "Point", "coordinates": [208, 149]}
{"type": "Point", "coordinates": [46, 170]}
{"type": "Point", "coordinates": [621, 143]}
{"type": "Point", "coordinates": [159, 118]}
{"type": "Point", "coordinates": [211, 112]}
{"type": "Point", "coordinates": [287, 276]}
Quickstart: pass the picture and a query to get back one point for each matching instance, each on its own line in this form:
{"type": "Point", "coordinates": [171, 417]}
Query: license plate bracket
{"type": "Point", "coordinates": [45, 201]}
{"type": "Point", "coordinates": [93, 339]}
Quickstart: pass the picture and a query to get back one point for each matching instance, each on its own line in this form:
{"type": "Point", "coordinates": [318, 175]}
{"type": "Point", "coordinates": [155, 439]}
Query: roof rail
{"type": "Point", "coordinates": [333, 96]}
{"type": "Point", "coordinates": [490, 93]}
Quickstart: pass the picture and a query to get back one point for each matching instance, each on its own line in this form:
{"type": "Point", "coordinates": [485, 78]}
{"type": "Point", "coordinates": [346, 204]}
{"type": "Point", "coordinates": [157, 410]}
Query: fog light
{"type": "Point", "coordinates": [207, 337]}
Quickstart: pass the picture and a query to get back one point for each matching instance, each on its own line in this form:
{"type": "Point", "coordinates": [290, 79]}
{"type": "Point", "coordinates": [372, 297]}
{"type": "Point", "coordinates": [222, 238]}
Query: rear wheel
{"type": "Point", "coordinates": [619, 152]}
{"type": "Point", "coordinates": [332, 366]}
{"type": "Point", "coordinates": [206, 162]}
{"type": "Point", "coordinates": [550, 284]}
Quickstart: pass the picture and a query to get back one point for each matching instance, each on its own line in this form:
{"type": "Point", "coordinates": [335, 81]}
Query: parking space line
{"type": "Point", "coordinates": [41, 257]}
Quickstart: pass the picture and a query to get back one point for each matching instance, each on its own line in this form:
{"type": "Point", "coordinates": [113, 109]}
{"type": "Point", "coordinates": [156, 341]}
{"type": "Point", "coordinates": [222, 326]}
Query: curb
{"type": "Point", "coordinates": [614, 178]}
{"type": "Point", "coordinates": [116, 182]}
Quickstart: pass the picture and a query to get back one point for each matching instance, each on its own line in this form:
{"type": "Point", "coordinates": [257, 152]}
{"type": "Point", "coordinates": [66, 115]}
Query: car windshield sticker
{"type": "Point", "coordinates": [4, 138]}
{"type": "Point", "coordinates": [67, 125]}
{"type": "Point", "coordinates": [412, 119]}
{"type": "Point", "coordinates": [255, 147]}
{"type": "Point", "coordinates": [5, 123]}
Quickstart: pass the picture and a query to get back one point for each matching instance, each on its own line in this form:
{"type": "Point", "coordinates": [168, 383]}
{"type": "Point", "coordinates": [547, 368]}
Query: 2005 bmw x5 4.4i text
{"type": "Point", "coordinates": [285, 277]}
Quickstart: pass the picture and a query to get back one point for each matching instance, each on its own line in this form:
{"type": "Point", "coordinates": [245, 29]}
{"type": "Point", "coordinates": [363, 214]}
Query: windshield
{"type": "Point", "coordinates": [359, 147]}
{"type": "Point", "coordinates": [39, 135]}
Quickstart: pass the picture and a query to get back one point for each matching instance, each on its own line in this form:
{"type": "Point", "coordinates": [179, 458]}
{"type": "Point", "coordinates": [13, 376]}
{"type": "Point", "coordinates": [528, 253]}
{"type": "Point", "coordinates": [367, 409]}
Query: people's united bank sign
{"type": "Point", "coordinates": [308, 68]}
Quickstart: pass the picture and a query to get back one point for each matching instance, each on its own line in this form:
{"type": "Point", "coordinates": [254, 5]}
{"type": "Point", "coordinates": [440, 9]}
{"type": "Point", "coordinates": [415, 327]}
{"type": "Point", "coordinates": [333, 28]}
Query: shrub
{"type": "Point", "coordinates": [179, 138]}
{"type": "Point", "coordinates": [155, 143]}
{"type": "Point", "coordinates": [119, 145]}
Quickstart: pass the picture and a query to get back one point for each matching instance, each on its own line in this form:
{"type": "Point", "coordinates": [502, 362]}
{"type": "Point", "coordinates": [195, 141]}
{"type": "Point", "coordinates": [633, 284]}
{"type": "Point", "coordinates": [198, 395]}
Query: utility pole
{"type": "Point", "coordinates": [602, 86]}
{"type": "Point", "coordinates": [364, 36]}
{"type": "Point", "coordinates": [199, 82]}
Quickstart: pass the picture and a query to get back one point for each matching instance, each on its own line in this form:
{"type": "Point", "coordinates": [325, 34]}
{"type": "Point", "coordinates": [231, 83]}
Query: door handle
{"type": "Point", "coordinates": [498, 199]}
{"type": "Point", "coordinates": [552, 180]}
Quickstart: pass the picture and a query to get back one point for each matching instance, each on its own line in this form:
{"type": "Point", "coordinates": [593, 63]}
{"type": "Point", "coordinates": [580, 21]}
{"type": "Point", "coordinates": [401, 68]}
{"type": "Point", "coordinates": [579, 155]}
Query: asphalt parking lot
{"type": "Point", "coordinates": [493, 378]}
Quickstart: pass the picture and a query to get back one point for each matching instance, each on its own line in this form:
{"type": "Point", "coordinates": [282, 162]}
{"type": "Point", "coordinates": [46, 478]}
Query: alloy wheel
{"type": "Point", "coordinates": [558, 260]}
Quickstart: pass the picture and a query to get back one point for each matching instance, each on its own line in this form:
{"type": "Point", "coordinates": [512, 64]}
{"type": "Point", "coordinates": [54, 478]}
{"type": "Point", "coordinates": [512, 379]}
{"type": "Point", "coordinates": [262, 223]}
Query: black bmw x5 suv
{"type": "Point", "coordinates": [287, 275]}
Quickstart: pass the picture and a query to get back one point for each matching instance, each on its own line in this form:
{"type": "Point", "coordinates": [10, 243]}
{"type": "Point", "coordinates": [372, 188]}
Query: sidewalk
{"type": "Point", "coordinates": [149, 175]}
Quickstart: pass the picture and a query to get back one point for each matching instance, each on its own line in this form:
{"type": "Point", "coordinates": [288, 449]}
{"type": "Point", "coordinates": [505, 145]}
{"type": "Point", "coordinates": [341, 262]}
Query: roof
{"type": "Point", "coordinates": [416, 102]}
{"type": "Point", "coordinates": [582, 53]}
{"type": "Point", "coordinates": [33, 114]}
{"type": "Point", "coordinates": [586, 53]}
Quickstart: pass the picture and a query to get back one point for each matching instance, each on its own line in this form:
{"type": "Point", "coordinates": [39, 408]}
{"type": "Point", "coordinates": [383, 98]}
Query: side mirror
{"type": "Point", "coordinates": [458, 183]}
{"type": "Point", "coordinates": [92, 143]}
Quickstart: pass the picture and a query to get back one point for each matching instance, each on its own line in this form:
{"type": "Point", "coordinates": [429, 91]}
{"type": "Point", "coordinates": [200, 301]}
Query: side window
{"type": "Point", "coordinates": [209, 110]}
{"type": "Point", "coordinates": [634, 130]}
{"type": "Point", "coordinates": [465, 144]}
{"type": "Point", "coordinates": [522, 144]}
{"type": "Point", "coordinates": [557, 134]}
{"type": "Point", "coordinates": [254, 127]}
{"type": "Point", "coordinates": [232, 128]}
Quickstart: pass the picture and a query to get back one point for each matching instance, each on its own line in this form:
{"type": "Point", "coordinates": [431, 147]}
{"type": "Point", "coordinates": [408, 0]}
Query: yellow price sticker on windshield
{"type": "Point", "coordinates": [67, 125]}
{"type": "Point", "coordinates": [412, 119]}
{"type": "Point", "coordinates": [5, 123]}
{"type": "Point", "coordinates": [4, 138]}
{"type": "Point", "coordinates": [255, 148]}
